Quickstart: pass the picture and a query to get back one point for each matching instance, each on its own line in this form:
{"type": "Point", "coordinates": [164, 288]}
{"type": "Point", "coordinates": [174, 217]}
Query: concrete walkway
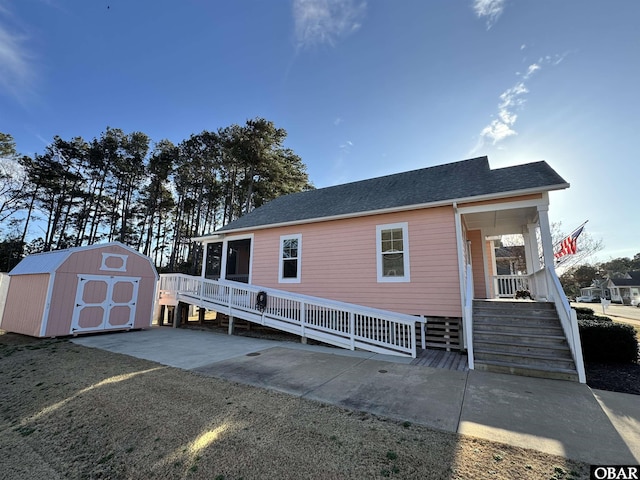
{"type": "Point", "coordinates": [557, 417]}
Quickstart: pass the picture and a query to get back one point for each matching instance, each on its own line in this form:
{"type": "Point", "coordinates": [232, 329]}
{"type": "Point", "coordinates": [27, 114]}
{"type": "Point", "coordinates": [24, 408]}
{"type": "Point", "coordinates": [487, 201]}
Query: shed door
{"type": "Point", "coordinates": [104, 303]}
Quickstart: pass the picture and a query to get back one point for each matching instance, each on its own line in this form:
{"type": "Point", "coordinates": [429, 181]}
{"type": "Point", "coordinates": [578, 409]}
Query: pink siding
{"type": "Point", "coordinates": [477, 263]}
{"type": "Point", "coordinates": [339, 262]}
{"type": "Point", "coordinates": [25, 304]}
{"type": "Point", "coordinates": [531, 196]}
{"type": "Point", "coordinates": [88, 262]}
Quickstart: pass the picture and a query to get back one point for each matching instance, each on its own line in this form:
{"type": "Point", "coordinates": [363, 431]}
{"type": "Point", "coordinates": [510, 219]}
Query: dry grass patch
{"type": "Point", "coordinates": [74, 412]}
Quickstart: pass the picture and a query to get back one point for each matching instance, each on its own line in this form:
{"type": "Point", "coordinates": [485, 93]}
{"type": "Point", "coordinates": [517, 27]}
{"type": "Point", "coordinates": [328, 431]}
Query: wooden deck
{"type": "Point", "coordinates": [436, 358]}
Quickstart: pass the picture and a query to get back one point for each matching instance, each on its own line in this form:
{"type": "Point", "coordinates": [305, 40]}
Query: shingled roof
{"type": "Point", "coordinates": [442, 183]}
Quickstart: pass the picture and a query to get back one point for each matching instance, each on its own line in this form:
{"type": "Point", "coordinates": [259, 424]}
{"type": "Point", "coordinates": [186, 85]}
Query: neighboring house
{"type": "Point", "coordinates": [595, 292]}
{"type": "Point", "coordinates": [419, 243]}
{"type": "Point", "coordinates": [510, 260]}
{"type": "Point", "coordinates": [510, 271]}
{"type": "Point", "coordinates": [625, 290]}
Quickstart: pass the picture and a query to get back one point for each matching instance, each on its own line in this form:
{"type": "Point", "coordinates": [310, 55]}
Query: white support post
{"type": "Point", "coordinates": [352, 331]}
{"type": "Point", "coordinates": [530, 247]}
{"type": "Point", "coordinates": [203, 270]}
{"type": "Point", "coordinates": [547, 242]}
{"type": "Point", "coordinates": [303, 320]}
{"type": "Point", "coordinates": [461, 258]}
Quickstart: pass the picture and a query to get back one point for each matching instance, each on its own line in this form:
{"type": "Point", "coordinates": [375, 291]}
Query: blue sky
{"type": "Point", "coordinates": [363, 87]}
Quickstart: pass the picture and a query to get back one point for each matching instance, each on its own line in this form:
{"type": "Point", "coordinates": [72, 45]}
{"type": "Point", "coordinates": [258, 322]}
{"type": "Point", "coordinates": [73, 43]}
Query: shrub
{"type": "Point", "coordinates": [595, 318]}
{"type": "Point", "coordinates": [608, 342]}
{"type": "Point", "coordinates": [589, 314]}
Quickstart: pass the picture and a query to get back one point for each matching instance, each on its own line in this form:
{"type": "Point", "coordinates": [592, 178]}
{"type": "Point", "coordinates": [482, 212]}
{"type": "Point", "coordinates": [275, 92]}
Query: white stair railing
{"type": "Point", "coordinates": [568, 319]}
{"type": "Point", "coordinates": [342, 324]}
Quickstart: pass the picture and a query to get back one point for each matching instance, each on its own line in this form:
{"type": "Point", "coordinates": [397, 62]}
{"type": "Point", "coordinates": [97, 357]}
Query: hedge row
{"type": "Point", "coordinates": [605, 341]}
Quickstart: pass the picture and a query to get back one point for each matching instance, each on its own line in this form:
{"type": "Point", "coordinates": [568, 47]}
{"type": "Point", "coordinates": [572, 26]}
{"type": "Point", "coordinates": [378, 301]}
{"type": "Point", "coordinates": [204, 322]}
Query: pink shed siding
{"type": "Point", "coordinates": [339, 262]}
{"type": "Point", "coordinates": [42, 294]}
{"type": "Point", "coordinates": [477, 263]}
{"type": "Point", "coordinates": [28, 294]}
{"type": "Point", "coordinates": [89, 262]}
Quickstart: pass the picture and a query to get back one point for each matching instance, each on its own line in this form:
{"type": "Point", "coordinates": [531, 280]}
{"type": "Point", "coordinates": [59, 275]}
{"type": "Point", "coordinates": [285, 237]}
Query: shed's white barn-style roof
{"type": "Point", "coordinates": [48, 262]}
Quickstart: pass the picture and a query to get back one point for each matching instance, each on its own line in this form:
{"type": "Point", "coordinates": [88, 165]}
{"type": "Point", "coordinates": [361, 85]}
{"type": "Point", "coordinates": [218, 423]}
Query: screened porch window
{"type": "Point", "coordinates": [393, 252]}
{"type": "Point", "coordinates": [214, 261]}
{"type": "Point", "coordinates": [290, 250]}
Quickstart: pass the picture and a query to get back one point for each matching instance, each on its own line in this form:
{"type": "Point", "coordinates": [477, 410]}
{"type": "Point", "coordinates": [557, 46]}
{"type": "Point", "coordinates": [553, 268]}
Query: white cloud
{"type": "Point", "coordinates": [511, 100]}
{"type": "Point", "coordinates": [320, 22]}
{"type": "Point", "coordinates": [16, 69]}
{"type": "Point", "coordinates": [498, 130]}
{"type": "Point", "coordinates": [489, 9]}
{"type": "Point", "coordinates": [346, 146]}
{"type": "Point", "coordinates": [337, 121]}
{"type": "Point", "coordinates": [534, 67]}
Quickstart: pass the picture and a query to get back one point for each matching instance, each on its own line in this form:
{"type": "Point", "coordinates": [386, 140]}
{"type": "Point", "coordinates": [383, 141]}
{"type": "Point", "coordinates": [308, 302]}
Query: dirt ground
{"type": "Point", "coordinates": [67, 411]}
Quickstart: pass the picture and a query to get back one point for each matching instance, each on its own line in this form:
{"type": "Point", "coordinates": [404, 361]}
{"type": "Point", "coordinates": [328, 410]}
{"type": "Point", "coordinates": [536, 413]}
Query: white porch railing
{"type": "Point", "coordinates": [506, 286]}
{"type": "Point", "coordinates": [468, 316]}
{"type": "Point", "coordinates": [538, 285]}
{"type": "Point", "coordinates": [342, 324]}
{"type": "Point", "coordinates": [568, 319]}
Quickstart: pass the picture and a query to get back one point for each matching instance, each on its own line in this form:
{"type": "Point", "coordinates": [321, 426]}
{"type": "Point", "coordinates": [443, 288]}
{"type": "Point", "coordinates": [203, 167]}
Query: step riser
{"type": "Point", "coordinates": [543, 322]}
{"type": "Point", "coordinates": [518, 338]}
{"type": "Point", "coordinates": [523, 330]}
{"type": "Point", "coordinates": [516, 312]}
{"type": "Point", "coordinates": [515, 309]}
{"type": "Point", "coordinates": [526, 372]}
{"type": "Point", "coordinates": [558, 352]}
{"type": "Point", "coordinates": [525, 361]}
{"type": "Point", "coordinates": [521, 306]}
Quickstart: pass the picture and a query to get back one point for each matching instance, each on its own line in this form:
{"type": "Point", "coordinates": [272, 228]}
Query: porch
{"type": "Point", "coordinates": [489, 271]}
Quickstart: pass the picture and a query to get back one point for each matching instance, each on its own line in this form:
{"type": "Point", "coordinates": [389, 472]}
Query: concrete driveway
{"type": "Point", "coordinates": [557, 417]}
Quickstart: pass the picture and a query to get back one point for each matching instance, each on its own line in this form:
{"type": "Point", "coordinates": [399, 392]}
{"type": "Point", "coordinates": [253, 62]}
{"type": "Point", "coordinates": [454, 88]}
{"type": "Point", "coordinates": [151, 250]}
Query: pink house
{"type": "Point", "coordinates": [80, 290]}
{"type": "Point", "coordinates": [419, 244]}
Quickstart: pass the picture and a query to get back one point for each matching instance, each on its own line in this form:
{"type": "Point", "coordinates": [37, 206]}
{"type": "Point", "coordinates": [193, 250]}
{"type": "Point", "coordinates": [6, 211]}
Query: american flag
{"type": "Point", "coordinates": [569, 245]}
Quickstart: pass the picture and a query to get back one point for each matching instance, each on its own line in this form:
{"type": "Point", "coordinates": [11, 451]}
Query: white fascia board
{"type": "Point", "coordinates": [405, 208]}
{"type": "Point", "coordinates": [207, 238]}
{"type": "Point", "coordinates": [503, 206]}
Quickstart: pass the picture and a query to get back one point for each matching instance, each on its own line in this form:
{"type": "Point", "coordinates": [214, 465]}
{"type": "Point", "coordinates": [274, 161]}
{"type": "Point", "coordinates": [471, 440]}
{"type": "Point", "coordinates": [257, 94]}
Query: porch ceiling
{"type": "Point", "coordinates": [501, 222]}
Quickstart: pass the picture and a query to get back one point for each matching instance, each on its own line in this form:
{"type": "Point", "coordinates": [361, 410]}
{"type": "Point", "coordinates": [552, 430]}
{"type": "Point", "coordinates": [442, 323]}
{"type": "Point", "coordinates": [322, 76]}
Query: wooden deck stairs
{"type": "Point", "coordinates": [521, 337]}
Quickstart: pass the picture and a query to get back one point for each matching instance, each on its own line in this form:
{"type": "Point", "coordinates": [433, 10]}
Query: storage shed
{"type": "Point", "coordinates": [107, 286]}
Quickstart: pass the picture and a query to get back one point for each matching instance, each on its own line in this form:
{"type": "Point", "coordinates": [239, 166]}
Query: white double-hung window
{"type": "Point", "coordinates": [392, 245]}
{"type": "Point", "coordinates": [290, 256]}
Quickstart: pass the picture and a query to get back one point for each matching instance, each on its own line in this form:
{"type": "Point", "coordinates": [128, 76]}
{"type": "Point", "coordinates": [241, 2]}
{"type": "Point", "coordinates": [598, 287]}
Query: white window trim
{"type": "Point", "coordinates": [281, 278]}
{"type": "Point", "coordinates": [107, 256]}
{"type": "Point", "coordinates": [225, 251]}
{"type": "Point", "coordinates": [405, 254]}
